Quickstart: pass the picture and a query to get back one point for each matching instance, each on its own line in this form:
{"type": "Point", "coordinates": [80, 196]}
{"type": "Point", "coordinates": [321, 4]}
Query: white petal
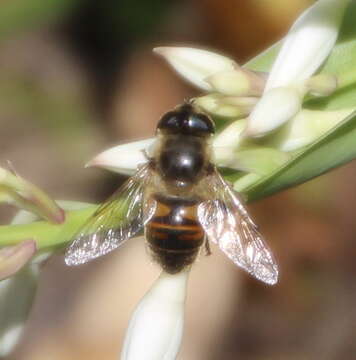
{"type": "Point", "coordinates": [195, 65]}
{"type": "Point", "coordinates": [156, 327]}
{"type": "Point", "coordinates": [123, 158]}
{"type": "Point", "coordinates": [230, 137]}
{"type": "Point", "coordinates": [10, 339]}
{"type": "Point", "coordinates": [307, 44]}
{"type": "Point", "coordinates": [275, 108]}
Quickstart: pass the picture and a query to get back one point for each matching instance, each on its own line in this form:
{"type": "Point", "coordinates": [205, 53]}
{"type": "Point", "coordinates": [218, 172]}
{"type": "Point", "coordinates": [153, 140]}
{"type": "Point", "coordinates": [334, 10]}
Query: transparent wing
{"type": "Point", "coordinates": [117, 220]}
{"type": "Point", "coordinates": [228, 224]}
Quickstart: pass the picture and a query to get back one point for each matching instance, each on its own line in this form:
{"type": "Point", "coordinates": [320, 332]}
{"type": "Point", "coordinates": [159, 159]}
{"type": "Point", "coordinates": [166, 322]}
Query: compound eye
{"type": "Point", "coordinates": [201, 124]}
{"type": "Point", "coordinates": [186, 120]}
{"type": "Point", "coordinates": [170, 122]}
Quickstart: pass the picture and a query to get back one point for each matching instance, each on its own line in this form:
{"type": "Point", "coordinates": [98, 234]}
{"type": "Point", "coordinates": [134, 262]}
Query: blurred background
{"type": "Point", "coordinates": [77, 77]}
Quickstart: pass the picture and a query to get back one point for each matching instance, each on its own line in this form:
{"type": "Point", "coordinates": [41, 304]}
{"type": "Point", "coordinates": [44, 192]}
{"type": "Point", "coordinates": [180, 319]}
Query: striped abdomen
{"type": "Point", "coordinates": [174, 233]}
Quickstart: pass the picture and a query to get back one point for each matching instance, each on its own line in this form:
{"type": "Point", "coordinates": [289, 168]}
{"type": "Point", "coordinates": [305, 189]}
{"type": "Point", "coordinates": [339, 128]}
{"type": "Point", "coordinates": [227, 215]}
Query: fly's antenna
{"type": "Point", "coordinates": [188, 104]}
{"type": "Point", "coordinates": [189, 101]}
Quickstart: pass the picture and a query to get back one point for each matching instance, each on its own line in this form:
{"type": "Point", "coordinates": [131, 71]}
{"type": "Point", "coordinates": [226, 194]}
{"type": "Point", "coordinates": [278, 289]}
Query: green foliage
{"type": "Point", "coordinates": [17, 15]}
{"type": "Point", "coordinates": [139, 17]}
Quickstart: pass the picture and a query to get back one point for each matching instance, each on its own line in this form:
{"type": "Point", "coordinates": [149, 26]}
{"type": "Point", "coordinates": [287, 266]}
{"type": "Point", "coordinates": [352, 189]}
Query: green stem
{"type": "Point", "coordinates": [46, 235]}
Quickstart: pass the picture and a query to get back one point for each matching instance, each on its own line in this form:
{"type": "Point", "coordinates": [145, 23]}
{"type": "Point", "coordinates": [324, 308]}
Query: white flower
{"type": "Point", "coordinates": [196, 65]}
{"type": "Point", "coordinates": [156, 326]}
{"type": "Point", "coordinates": [307, 44]}
{"type": "Point", "coordinates": [226, 106]}
{"type": "Point", "coordinates": [211, 71]}
{"type": "Point", "coordinates": [237, 82]}
{"type": "Point", "coordinates": [305, 48]}
{"type": "Point", "coordinates": [124, 158]}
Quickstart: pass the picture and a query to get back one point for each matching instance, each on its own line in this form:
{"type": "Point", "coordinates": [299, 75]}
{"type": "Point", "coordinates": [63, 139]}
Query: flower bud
{"type": "Point", "coordinates": [230, 137]}
{"type": "Point", "coordinates": [240, 101]}
{"type": "Point", "coordinates": [230, 151]}
{"type": "Point", "coordinates": [307, 44]}
{"type": "Point", "coordinates": [13, 258]}
{"type": "Point", "coordinates": [214, 104]}
{"type": "Point", "coordinates": [28, 196]}
{"type": "Point", "coordinates": [305, 48]}
{"type": "Point", "coordinates": [123, 158]}
{"type": "Point", "coordinates": [274, 109]}
{"type": "Point", "coordinates": [195, 65]}
{"type": "Point", "coordinates": [156, 326]}
{"type": "Point", "coordinates": [237, 82]}
{"type": "Point", "coordinates": [322, 84]}
{"type": "Point", "coordinates": [306, 127]}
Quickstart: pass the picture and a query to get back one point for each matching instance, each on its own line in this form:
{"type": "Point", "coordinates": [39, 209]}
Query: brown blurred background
{"type": "Point", "coordinates": [77, 77]}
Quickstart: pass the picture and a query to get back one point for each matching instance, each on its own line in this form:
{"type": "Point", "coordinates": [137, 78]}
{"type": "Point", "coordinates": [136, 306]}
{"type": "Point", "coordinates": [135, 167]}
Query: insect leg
{"type": "Point", "coordinates": [207, 247]}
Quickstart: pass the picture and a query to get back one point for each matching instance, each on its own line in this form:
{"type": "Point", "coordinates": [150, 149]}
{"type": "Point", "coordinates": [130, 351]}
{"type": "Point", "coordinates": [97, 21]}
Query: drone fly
{"type": "Point", "coordinates": [181, 201]}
